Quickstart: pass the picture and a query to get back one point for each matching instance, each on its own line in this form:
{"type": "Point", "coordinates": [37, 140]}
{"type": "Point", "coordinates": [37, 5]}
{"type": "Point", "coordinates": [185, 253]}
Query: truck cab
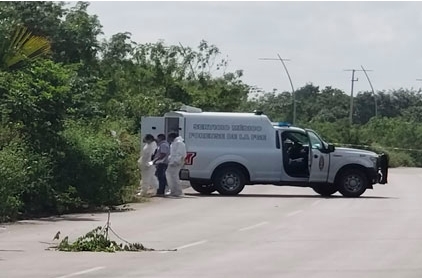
{"type": "Point", "coordinates": [326, 168]}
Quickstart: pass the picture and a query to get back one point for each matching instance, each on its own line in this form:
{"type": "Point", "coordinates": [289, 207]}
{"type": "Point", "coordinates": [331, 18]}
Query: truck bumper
{"type": "Point", "coordinates": [380, 172]}
{"type": "Point", "coordinates": [383, 169]}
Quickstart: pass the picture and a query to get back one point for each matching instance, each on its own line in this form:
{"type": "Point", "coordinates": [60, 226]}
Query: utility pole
{"type": "Point", "coordinates": [290, 79]}
{"type": "Point", "coordinates": [351, 93]}
{"type": "Point", "coordinates": [351, 96]}
{"type": "Point", "coordinates": [373, 92]}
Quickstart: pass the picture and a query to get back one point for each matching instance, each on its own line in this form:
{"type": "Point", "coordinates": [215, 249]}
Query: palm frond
{"type": "Point", "coordinates": [25, 46]}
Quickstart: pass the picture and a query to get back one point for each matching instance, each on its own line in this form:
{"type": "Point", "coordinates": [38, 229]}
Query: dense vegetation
{"type": "Point", "coordinates": [71, 105]}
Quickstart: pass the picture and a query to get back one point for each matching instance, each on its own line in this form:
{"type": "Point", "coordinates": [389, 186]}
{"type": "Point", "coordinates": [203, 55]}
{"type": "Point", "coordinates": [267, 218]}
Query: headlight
{"type": "Point", "coordinates": [374, 160]}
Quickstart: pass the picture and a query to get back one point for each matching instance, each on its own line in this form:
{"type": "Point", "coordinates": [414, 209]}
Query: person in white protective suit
{"type": "Point", "coordinates": [149, 180]}
{"type": "Point", "coordinates": [175, 163]}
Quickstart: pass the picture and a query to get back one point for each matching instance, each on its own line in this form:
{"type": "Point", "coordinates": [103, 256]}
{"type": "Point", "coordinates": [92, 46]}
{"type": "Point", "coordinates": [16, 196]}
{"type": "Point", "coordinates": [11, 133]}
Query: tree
{"type": "Point", "coordinates": [72, 32]}
{"type": "Point", "coordinates": [35, 99]}
{"type": "Point", "coordinates": [77, 40]}
{"type": "Point", "coordinates": [333, 105]}
{"type": "Point", "coordinates": [364, 111]}
{"type": "Point", "coordinates": [42, 18]}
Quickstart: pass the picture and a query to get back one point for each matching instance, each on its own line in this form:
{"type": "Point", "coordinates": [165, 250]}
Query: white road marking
{"type": "Point", "coordinates": [253, 226]}
{"type": "Point", "coordinates": [82, 272]}
{"type": "Point", "coordinates": [316, 203]}
{"type": "Point", "coordinates": [294, 213]}
{"type": "Point", "coordinates": [186, 246]}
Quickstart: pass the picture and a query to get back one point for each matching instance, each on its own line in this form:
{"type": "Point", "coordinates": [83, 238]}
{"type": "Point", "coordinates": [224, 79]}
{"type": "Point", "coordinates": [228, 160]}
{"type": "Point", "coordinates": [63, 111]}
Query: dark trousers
{"type": "Point", "coordinates": [160, 173]}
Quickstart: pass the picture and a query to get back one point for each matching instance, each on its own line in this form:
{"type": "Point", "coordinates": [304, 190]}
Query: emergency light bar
{"type": "Point", "coordinates": [281, 124]}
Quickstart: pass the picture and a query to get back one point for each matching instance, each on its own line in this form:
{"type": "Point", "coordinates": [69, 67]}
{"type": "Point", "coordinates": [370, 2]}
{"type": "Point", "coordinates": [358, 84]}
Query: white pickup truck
{"type": "Point", "coordinates": [226, 151]}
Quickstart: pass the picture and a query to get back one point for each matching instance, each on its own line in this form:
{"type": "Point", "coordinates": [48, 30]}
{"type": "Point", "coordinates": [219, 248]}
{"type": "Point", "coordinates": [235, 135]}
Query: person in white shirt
{"type": "Point", "coordinates": [149, 180]}
{"type": "Point", "coordinates": [176, 160]}
{"type": "Point", "coordinates": [161, 161]}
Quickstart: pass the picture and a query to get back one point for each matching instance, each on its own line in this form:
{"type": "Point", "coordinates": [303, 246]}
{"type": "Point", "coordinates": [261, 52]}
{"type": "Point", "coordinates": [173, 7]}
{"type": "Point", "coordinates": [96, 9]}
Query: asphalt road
{"type": "Point", "coordinates": [266, 231]}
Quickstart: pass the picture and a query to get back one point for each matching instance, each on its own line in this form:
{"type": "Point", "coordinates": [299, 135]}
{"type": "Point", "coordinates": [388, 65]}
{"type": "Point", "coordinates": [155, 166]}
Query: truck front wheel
{"type": "Point", "coordinates": [205, 189]}
{"type": "Point", "coordinates": [352, 183]}
{"type": "Point", "coordinates": [325, 190]}
{"type": "Point", "coordinates": [229, 181]}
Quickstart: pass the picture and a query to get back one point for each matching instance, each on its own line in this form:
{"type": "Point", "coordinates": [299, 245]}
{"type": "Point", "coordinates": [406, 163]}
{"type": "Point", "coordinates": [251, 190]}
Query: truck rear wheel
{"type": "Point", "coordinates": [229, 181]}
{"type": "Point", "coordinates": [205, 189]}
{"type": "Point", "coordinates": [352, 183]}
{"type": "Point", "coordinates": [325, 190]}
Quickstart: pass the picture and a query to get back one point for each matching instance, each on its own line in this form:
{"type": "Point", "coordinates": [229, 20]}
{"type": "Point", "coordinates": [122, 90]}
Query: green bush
{"type": "Point", "coordinates": [400, 159]}
{"type": "Point", "coordinates": [12, 174]}
{"type": "Point", "coordinates": [97, 164]}
{"type": "Point", "coordinates": [25, 186]}
{"type": "Point", "coordinates": [397, 158]}
{"type": "Point", "coordinates": [92, 166]}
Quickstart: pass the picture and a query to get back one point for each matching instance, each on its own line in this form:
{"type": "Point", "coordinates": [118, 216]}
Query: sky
{"type": "Point", "coordinates": [321, 39]}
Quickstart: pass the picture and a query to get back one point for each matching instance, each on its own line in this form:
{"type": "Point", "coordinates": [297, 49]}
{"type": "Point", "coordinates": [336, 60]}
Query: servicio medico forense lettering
{"type": "Point", "coordinates": [227, 136]}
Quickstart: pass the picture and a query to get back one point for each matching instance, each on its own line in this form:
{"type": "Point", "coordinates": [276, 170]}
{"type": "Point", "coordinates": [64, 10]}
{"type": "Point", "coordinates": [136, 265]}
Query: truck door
{"type": "Point", "coordinates": [175, 124]}
{"type": "Point", "coordinates": [152, 125]}
{"type": "Point", "coordinates": [319, 159]}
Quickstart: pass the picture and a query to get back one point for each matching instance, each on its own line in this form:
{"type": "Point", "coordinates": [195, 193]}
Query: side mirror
{"type": "Point", "coordinates": [331, 148]}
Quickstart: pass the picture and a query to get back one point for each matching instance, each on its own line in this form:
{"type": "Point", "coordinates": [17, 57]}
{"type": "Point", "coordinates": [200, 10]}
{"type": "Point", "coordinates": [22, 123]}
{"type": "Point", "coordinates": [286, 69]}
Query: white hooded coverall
{"type": "Point", "coordinates": [149, 180]}
{"type": "Point", "coordinates": [176, 161]}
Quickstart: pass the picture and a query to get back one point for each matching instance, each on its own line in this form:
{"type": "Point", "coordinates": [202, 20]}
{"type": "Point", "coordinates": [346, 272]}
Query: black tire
{"type": "Point", "coordinates": [205, 189]}
{"type": "Point", "coordinates": [325, 190]}
{"type": "Point", "coordinates": [352, 183]}
{"type": "Point", "coordinates": [229, 181]}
